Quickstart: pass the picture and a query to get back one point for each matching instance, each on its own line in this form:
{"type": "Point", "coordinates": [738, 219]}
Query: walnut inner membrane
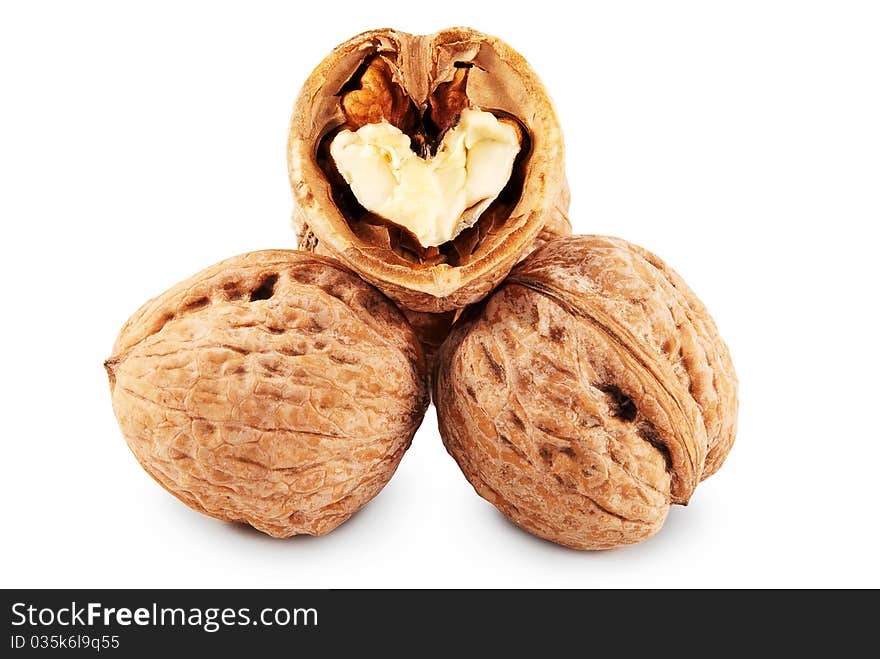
{"type": "Point", "coordinates": [429, 185]}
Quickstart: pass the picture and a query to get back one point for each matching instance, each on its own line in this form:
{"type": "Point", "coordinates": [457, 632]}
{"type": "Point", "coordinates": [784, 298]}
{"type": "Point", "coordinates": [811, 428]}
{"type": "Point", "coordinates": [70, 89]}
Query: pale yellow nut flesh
{"type": "Point", "coordinates": [436, 198]}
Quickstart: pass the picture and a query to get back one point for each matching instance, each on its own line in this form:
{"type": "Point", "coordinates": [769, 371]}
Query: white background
{"type": "Point", "coordinates": [740, 141]}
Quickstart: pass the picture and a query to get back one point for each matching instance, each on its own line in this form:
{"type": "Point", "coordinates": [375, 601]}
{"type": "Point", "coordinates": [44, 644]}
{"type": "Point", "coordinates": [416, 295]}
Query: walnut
{"type": "Point", "coordinates": [275, 388]}
{"type": "Point", "coordinates": [433, 328]}
{"type": "Point", "coordinates": [587, 394]}
{"type": "Point", "coordinates": [449, 100]}
{"type": "Point", "coordinates": [378, 98]}
{"type": "Point", "coordinates": [385, 123]}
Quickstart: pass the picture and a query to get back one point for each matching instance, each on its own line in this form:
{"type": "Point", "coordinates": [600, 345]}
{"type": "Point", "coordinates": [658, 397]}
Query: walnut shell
{"type": "Point", "coordinates": [419, 71]}
{"type": "Point", "coordinates": [433, 328]}
{"type": "Point", "coordinates": [587, 394]}
{"type": "Point", "coordinates": [275, 388]}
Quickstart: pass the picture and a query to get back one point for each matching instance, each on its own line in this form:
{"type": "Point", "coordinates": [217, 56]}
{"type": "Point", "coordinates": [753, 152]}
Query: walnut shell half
{"type": "Point", "coordinates": [587, 394]}
{"type": "Point", "coordinates": [275, 388]}
{"type": "Point", "coordinates": [433, 328]}
{"type": "Point", "coordinates": [421, 84]}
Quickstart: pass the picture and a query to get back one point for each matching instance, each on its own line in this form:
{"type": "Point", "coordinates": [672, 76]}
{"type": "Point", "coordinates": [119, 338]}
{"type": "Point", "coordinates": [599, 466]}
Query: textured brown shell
{"type": "Point", "coordinates": [433, 328]}
{"type": "Point", "coordinates": [423, 62]}
{"type": "Point", "coordinates": [275, 388]}
{"type": "Point", "coordinates": [589, 392]}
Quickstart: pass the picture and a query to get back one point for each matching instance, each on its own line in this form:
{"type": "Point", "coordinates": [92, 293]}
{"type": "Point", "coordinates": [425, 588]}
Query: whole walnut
{"type": "Point", "coordinates": [587, 394]}
{"type": "Point", "coordinates": [275, 388]}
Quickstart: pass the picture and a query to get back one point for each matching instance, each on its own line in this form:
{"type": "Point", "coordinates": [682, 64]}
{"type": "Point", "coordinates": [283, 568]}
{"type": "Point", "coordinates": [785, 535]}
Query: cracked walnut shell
{"type": "Point", "coordinates": [433, 328]}
{"type": "Point", "coordinates": [275, 388]}
{"type": "Point", "coordinates": [421, 89]}
{"type": "Point", "coordinates": [587, 394]}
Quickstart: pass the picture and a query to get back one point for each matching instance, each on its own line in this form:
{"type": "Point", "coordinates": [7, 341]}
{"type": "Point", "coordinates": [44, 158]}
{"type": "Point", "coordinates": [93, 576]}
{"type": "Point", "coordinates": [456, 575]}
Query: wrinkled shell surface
{"type": "Point", "coordinates": [500, 81]}
{"type": "Point", "coordinates": [587, 394]}
{"type": "Point", "coordinates": [275, 388]}
{"type": "Point", "coordinates": [433, 328]}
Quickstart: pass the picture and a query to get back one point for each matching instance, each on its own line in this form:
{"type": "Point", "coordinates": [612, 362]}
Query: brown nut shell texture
{"type": "Point", "coordinates": [587, 394]}
{"type": "Point", "coordinates": [421, 84]}
{"type": "Point", "coordinates": [433, 328]}
{"type": "Point", "coordinates": [275, 388]}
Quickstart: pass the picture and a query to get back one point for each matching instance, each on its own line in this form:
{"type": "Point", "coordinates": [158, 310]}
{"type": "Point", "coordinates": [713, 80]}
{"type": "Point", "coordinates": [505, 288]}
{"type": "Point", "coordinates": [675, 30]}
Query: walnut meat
{"type": "Point", "coordinates": [428, 164]}
{"type": "Point", "coordinates": [275, 388]}
{"type": "Point", "coordinates": [587, 394]}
